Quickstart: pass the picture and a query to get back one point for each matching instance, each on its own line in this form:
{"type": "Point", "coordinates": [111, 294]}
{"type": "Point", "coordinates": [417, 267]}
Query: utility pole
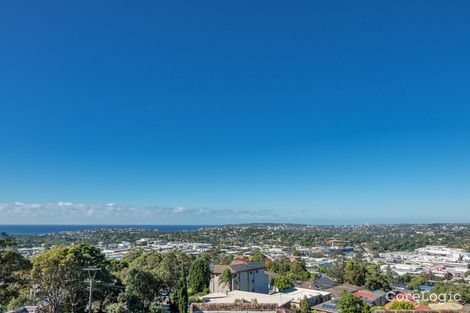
{"type": "Point", "coordinates": [92, 270]}
{"type": "Point", "coordinates": [33, 291]}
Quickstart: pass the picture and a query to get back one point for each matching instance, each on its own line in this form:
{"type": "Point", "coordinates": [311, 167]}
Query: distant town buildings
{"type": "Point", "coordinates": [118, 251]}
{"type": "Point", "coordinates": [30, 252]}
{"type": "Point", "coordinates": [440, 261]}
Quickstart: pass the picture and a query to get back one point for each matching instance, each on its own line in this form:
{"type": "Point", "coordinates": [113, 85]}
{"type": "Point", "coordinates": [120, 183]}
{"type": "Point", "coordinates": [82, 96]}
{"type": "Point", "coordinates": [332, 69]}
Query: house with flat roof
{"type": "Point", "coordinates": [237, 308]}
{"type": "Point", "coordinates": [237, 296]}
{"type": "Point", "coordinates": [313, 296]}
{"type": "Point", "coordinates": [289, 298]}
{"type": "Point", "coordinates": [326, 307]}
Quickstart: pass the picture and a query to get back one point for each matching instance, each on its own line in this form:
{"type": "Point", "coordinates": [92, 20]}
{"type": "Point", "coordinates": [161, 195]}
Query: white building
{"type": "Point", "coordinates": [289, 298]}
{"type": "Point", "coordinates": [246, 276]}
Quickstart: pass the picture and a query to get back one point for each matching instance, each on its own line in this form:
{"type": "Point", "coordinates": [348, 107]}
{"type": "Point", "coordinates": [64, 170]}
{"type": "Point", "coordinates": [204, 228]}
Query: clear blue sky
{"type": "Point", "coordinates": [234, 111]}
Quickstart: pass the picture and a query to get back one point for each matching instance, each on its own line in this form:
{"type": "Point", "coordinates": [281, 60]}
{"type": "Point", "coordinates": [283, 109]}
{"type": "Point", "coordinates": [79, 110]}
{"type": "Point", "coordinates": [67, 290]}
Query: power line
{"type": "Point", "coordinates": [92, 270]}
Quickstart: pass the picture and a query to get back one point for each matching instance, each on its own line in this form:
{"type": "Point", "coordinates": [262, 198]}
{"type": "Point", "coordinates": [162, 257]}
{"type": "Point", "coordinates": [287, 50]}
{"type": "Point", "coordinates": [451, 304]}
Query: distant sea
{"type": "Point", "coordinates": [48, 229]}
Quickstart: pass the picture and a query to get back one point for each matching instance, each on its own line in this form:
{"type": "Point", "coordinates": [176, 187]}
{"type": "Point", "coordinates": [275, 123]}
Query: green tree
{"type": "Point", "coordinates": [336, 271]}
{"type": "Point", "coordinates": [226, 278]}
{"type": "Point", "coordinates": [23, 298]}
{"type": "Point", "coordinates": [299, 270]}
{"type": "Point", "coordinates": [166, 270]}
{"type": "Point", "coordinates": [401, 305]}
{"type": "Point", "coordinates": [304, 305]}
{"type": "Point", "coordinates": [6, 241]}
{"type": "Point", "coordinates": [169, 270]}
{"type": "Point", "coordinates": [146, 261]}
{"type": "Point", "coordinates": [79, 257]}
{"type": "Point", "coordinates": [459, 288]}
{"type": "Point", "coordinates": [417, 281]}
{"type": "Point", "coordinates": [355, 272]}
{"type": "Point", "coordinates": [59, 274]}
{"type": "Point", "coordinates": [375, 279]}
{"type": "Point", "coordinates": [49, 273]}
{"type": "Point", "coordinates": [404, 279]}
{"type": "Point", "coordinates": [142, 290]}
{"type": "Point", "coordinates": [199, 275]}
{"type": "Point", "coordinates": [182, 295]}
{"type": "Point", "coordinates": [259, 257]}
{"type": "Point", "coordinates": [117, 308]}
{"type": "Point", "coordinates": [282, 282]}
{"type": "Point", "coordinates": [348, 303]}
{"type": "Point", "coordinates": [13, 267]}
{"type": "Point", "coordinates": [389, 276]}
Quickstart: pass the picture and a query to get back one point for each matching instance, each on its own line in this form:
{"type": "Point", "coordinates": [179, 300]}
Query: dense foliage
{"type": "Point", "coordinates": [282, 282]}
{"type": "Point", "coordinates": [459, 288]}
{"type": "Point", "coordinates": [60, 278]}
{"type": "Point", "coordinates": [12, 278]}
{"type": "Point", "coordinates": [348, 303]}
{"type": "Point", "coordinates": [402, 305]}
{"type": "Point", "coordinates": [294, 270]}
{"type": "Point", "coordinates": [360, 273]}
{"type": "Point", "coordinates": [182, 295]}
{"type": "Point", "coordinates": [140, 283]}
{"type": "Point", "coordinates": [199, 276]}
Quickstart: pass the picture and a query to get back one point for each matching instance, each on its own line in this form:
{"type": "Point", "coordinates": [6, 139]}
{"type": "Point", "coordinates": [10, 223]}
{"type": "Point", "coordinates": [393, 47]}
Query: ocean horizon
{"type": "Point", "coordinates": [37, 229]}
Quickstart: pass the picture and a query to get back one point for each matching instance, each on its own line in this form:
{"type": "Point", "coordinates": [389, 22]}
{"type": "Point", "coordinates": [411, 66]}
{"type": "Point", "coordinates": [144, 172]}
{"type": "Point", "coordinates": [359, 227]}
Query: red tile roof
{"type": "Point", "coordinates": [364, 294]}
{"type": "Point", "coordinates": [423, 307]}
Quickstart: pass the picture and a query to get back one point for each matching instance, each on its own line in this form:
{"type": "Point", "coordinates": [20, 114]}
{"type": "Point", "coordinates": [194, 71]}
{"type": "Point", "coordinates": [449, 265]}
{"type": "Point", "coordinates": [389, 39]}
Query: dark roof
{"type": "Point", "coordinates": [346, 287]}
{"type": "Point", "coordinates": [328, 306]}
{"type": "Point", "coordinates": [246, 267]}
{"type": "Point", "coordinates": [324, 282]}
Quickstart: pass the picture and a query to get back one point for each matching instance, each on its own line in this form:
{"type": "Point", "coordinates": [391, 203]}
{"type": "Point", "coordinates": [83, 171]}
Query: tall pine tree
{"type": "Point", "coordinates": [183, 295]}
{"type": "Point", "coordinates": [199, 275]}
